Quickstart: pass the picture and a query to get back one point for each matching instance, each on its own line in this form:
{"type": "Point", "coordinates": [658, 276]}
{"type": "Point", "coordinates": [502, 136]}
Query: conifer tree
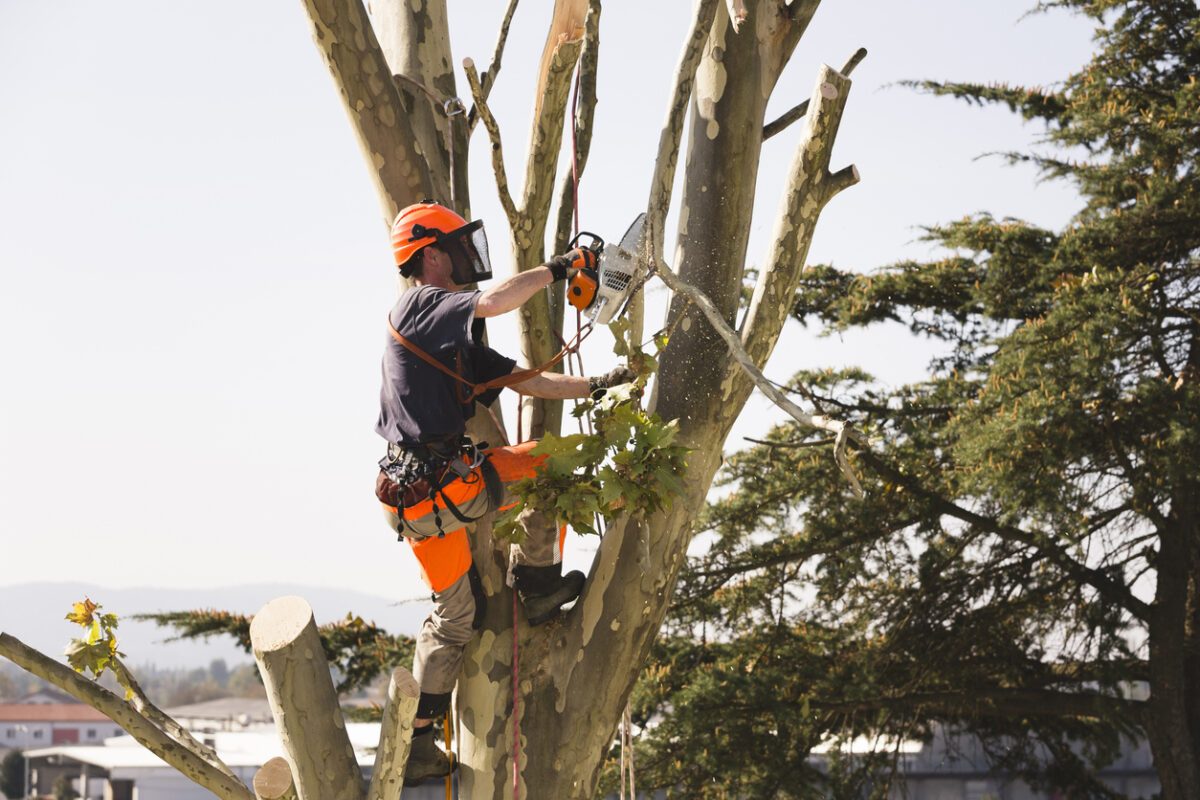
{"type": "Point", "coordinates": [1027, 561]}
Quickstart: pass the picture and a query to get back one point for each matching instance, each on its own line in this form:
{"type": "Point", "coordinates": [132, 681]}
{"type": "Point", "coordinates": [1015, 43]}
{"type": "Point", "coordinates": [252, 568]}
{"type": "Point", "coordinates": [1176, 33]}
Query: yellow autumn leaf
{"type": "Point", "coordinates": [82, 613]}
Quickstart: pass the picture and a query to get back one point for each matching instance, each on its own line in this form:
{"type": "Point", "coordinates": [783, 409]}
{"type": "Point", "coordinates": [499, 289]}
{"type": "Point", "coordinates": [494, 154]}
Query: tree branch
{"type": "Point", "coordinates": [810, 187]}
{"type": "Point", "coordinates": [584, 116]}
{"type": "Point", "coordinates": [157, 716]}
{"type": "Point", "coordinates": [564, 42]}
{"type": "Point", "coordinates": [191, 764]}
{"type": "Point", "coordinates": [784, 120]}
{"type": "Point", "coordinates": [842, 430]}
{"type": "Point", "coordinates": [1005, 703]}
{"type": "Point", "coordinates": [493, 129]}
{"type": "Point", "coordinates": [1111, 590]}
{"type": "Point", "coordinates": [662, 182]}
{"type": "Point", "coordinates": [343, 33]}
{"type": "Point", "coordinates": [489, 75]}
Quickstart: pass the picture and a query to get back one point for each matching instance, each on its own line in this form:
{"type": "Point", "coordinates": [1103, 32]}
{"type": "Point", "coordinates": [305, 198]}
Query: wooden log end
{"type": "Point", "coordinates": [279, 622]}
{"type": "Point", "coordinates": [273, 781]}
{"type": "Point", "coordinates": [403, 684]}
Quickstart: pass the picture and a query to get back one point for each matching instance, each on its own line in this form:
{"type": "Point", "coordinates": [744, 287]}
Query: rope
{"type": "Point", "coordinates": [516, 686]}
{"type": "Point", "coordinates": [628, 741]}
{"type": "Point", "coordinates": [446, 725]}
{"type": "Point", "coordinates": [581, 333]}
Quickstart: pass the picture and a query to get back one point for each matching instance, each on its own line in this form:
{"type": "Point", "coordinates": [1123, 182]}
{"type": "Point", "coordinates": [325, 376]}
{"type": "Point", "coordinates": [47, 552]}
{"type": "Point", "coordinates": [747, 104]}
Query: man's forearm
{"type": "Point", "coordinates": [554, 386]}
{"type": "Point", "coordinates": [512, 292]}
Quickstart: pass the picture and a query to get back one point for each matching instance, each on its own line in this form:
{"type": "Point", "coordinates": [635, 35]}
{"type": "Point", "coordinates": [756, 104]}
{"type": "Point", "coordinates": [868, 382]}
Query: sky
{"type": "Point", "coordinates": [195, 267]}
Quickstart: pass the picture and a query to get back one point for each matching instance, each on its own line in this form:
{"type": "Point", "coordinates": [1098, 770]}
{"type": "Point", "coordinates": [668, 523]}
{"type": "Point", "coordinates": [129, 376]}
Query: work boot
{"type": "Point", "coordinates": [426, 760]}
{"type": "Point", "coordinates": [544, 590]}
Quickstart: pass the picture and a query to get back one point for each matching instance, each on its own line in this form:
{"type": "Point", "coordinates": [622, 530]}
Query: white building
{"type": "Point", "coordinates": [41, 724]}
{"type": "Point", "coordinates": [121, 769]}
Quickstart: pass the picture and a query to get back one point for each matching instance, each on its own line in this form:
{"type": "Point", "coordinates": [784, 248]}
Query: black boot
{"type": "Point", "coordinates": [426, 761]}
{"type": "Point", "coordinates": [544, 590]}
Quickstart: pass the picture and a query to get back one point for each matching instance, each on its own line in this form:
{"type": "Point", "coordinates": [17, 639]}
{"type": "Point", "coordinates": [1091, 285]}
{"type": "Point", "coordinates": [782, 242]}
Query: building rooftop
{"type": "Point", "coordinates": [236, 749]}
{"type": "Point", "coordinates": [49, 712]}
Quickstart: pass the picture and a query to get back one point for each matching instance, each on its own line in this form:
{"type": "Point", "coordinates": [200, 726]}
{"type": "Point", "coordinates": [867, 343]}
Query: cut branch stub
{"type": "Point", "coordinates": [273, 781]}
{"type": "Point", "coordinates": [300, 690]}
{"type": "Point", "coordinates": [395, 736]}
{"type": "Point", "coordinates": [810, 187]}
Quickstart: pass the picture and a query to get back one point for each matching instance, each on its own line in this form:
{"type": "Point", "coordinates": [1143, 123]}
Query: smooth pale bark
{"type": "Point", "coordinates": [395, 736]}
{"type": "Point", "coordinates": [414, 36]}
{"type": "Point", "coordinates": [273, 781]}
{"type": "Point", "coordinates": [190, 763]}
{"type": "Point", "coordinates": [343, 33]}
{"type": "Point", "coordinates": [295, 674]}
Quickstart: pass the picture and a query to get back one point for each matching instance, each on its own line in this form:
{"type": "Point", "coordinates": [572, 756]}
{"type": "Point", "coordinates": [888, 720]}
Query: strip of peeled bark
{"type": "Point", "coordinates": [343, 33]}
{"type": "Point", "coordinates": [395, 736]}
{"type": "Point", "coordinates": [191, 764]}
{"type": "Point", "coordinates": [295, 674]}
{"type": "Point", "coordinates": [273, 781]}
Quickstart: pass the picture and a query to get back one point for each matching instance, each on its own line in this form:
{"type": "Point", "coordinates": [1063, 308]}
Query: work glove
{"type": "Point", "coordinates": [598, 385]}
{"type": "Point", "coordinates": [576, 259]}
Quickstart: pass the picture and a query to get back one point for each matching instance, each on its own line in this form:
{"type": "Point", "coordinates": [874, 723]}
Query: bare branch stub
{"type": "Point", "coordinates": [493, 129]}
{"type": "Point", "coordinates": [784, 120]}
{"type": "Point", "coordinates": [488, 79]}
{"type": "Point", "coordinates": [810, 186]}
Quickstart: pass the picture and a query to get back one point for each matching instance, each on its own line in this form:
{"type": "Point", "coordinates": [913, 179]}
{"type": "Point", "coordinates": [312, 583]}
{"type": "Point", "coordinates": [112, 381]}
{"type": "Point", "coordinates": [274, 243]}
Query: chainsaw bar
{"type": "Point", "coordinates": [621, 273]}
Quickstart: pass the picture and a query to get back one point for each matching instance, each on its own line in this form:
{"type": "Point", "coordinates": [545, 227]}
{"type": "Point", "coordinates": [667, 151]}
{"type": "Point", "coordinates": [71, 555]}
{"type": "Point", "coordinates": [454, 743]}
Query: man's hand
{"type": "Point", "coordinates": [598, 385]}
{"type": "Point", "coordinates": [579, 258]}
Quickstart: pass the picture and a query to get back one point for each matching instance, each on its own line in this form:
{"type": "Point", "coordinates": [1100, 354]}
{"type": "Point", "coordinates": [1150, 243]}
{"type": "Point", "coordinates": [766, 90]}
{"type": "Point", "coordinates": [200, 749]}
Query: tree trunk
{"type": "Point", "coordinates": [576, 673]}
{"type": "Point", "coordinates": [1173, 731]}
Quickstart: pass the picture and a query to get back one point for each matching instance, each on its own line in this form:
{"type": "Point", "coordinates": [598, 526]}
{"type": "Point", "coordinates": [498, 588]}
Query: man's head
{"type": "Point", "coordinates": [434, 245]}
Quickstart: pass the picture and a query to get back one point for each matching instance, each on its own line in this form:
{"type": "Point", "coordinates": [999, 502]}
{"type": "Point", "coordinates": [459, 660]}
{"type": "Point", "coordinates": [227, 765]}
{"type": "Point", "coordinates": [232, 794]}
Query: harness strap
{"type": "Point", "coordinates": [479, 388]}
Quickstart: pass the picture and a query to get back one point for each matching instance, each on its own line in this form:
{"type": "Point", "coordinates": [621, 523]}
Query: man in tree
{"type": "Point", "coordinates": [434, 482]}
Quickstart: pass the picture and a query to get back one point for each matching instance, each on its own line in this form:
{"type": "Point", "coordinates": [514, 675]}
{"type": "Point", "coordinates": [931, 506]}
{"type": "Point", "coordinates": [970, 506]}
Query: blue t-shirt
{"type": "Point", "coordinates": [419, 404]}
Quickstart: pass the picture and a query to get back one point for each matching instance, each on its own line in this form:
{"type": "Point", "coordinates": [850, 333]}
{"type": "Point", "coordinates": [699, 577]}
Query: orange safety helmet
{"type": "Point", "coordinates": [422, 224]}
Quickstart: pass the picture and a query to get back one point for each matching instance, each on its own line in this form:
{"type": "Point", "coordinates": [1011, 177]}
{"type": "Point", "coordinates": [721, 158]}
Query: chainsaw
{"type": "Point", "coordinates": [607, 275]}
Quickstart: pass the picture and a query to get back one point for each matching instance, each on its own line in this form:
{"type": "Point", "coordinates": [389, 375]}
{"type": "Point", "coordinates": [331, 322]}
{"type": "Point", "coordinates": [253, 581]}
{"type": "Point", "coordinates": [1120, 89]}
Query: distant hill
{"type": "Point", "coordinates": [33, 612]}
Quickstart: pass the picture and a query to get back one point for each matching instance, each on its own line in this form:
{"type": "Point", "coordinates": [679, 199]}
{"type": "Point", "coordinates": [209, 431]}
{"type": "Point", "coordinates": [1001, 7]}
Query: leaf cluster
{"type": "Point", "coordinates": [95, 650]}
{"type": "Point", "coordinates": [627, 463]}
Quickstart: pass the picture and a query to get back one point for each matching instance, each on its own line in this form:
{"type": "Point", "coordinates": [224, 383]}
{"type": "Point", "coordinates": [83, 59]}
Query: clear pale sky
{"type": "Point", "coordinates": [196, 270]}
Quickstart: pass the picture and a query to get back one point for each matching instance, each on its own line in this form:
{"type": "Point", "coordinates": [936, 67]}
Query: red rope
{"type": "Point", "coordinates": [581, 333]}
{"type": "Point", "coordinates": [516, 677]}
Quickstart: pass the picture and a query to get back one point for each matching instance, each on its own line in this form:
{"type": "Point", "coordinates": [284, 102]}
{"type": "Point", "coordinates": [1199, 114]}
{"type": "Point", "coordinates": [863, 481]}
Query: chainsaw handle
{"type": "Point", "coordinates": [583, 258]}
{"type": "Point", "coordinates": [592, 242]}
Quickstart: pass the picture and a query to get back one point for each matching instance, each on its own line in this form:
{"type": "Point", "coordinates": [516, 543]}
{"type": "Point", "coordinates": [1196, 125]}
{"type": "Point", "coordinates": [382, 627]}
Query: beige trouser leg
{"type": "Point", "coordinates": [443, 636]}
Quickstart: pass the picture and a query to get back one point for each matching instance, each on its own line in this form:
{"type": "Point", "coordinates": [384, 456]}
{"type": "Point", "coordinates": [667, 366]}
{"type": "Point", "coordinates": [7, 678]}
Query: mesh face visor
{"type": "Point", "coordinates": [468, 251]}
